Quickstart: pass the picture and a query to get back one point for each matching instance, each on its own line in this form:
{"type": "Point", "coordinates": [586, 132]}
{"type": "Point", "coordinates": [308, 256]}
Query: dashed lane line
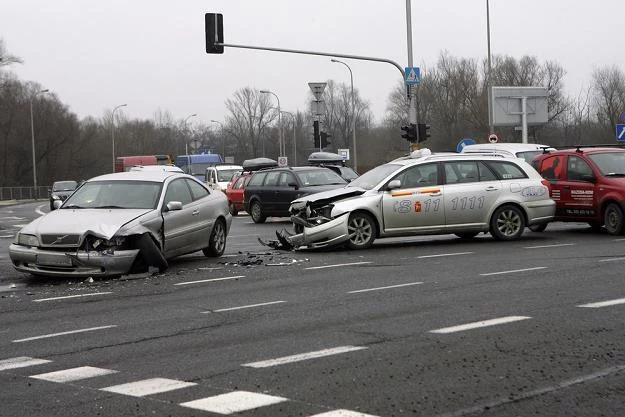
{"type": "Point", "coordinates": [233, 402]}
{"type": "Point", "coordinates": [385, 288]}
{"type": "Point", "coordinates": [148, 387]}
{"type": "Point", "coordinates": [479, 324]}
{"type": "Point", "coordinates": [513, 271]}
{"type": "Point", "coordinates": [444, 254]}
{"type": "Point", "coordinates": [210, 280]}
{"type": "Point", "coordinates": [47, 336]}
{"type": "Point", "coordinates": [303, 356]}
{"type": "Point", "coordinates": [221, 310]}
{"type": "Point", "coordinates": [343, 413]}
{"type": "Point", "coordinates": [40, 300]}
{"type": "Point", "coordinates": [557, 245]}
{"type": "Point", "coordinates": [74, 374]}
{"type": "Point", "coordinates": [338, 265]}
{"type": "Point", "coordinates": [20, 362]}
{"type": "Point", "coordinates": [622, 258]}
{"type": "Point", "coordinates": [600, 304]}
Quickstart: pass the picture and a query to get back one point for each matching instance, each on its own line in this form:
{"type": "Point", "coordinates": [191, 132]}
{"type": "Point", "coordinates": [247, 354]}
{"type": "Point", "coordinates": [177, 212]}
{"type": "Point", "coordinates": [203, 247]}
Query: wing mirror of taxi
{"type": "Point", "coordinates": [393, 185]}
{"type": "Point", "coordinates": [173, 206]}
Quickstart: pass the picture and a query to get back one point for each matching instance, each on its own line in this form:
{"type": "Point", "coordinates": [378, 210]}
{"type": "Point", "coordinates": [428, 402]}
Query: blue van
{"type": "Point", "coordinates": [196, 164]}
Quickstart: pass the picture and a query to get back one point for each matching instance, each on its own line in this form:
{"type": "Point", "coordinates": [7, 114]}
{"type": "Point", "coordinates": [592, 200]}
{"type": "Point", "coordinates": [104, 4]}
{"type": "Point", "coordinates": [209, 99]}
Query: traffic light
{"type": "Point", "coordinates": [424, 132]}
{"type": "Point", "coordinates": [316, 137]}
{"type": "Point", "coordinates": [411, 132]}
{"type": "Point", "coordinates": [214, 28]}
{"type": "Point", "coordinates": [324, 139]}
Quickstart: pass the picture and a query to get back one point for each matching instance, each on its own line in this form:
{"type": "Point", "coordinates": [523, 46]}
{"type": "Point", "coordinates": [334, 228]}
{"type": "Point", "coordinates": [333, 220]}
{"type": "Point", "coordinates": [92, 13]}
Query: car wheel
{"type": "Point", "coordinates": [362, 231]}
{"type": "Point", "coordinates": [613, 219]}
{"type": "Point", "coordinates": [256, 211]}
{"type": "Point", "coordinates": [217, 240]}
{"type": "Point", "coordinates": [151, 253]}
{"type": "Point", "coordinates": [232, 210]}
{"type": "Point", "coordinates": [507, 223]}
{"type": "Point", "coordinates": [538, 227]}
{"type": "Point", "coordinates": [467, 235]}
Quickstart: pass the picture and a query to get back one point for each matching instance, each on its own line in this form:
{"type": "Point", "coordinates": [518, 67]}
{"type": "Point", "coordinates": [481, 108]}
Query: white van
{"type": "Point", "coordinates": [218, 176]}
{"type": "Point", "coordinates": [526, 151]}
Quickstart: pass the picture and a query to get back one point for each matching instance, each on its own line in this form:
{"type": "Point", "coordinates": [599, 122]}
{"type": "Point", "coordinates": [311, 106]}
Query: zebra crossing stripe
{"type": "Point", "coordinates": [343, 413]}
{"type": "Point", "coordinates": [74, 374]}
{"type": "Point", "coordinates": [233, 402]}
{"type": "Point", "coordinates": [20, 362]}
{"type": "Point", "coordinates": [148, 387]}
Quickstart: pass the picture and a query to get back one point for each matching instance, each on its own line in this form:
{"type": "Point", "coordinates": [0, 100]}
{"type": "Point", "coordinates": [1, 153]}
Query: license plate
{"type": "Point", "coordinates": [53, 259]}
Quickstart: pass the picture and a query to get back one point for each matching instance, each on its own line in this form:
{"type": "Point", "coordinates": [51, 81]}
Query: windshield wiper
{"type": "Point", "coordinates": [108, 207]}
{"type": "Point", "coordinates": [72, 206]}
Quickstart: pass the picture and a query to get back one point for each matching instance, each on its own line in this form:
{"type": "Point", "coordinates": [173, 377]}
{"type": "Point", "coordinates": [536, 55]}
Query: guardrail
{"type": "Point", "coordinates": [24, 193]}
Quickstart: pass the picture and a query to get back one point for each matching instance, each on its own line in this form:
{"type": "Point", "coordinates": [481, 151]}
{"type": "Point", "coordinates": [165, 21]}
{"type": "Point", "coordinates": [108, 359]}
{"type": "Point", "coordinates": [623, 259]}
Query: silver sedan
{"type": "Point", "coordinates": [124, 223]}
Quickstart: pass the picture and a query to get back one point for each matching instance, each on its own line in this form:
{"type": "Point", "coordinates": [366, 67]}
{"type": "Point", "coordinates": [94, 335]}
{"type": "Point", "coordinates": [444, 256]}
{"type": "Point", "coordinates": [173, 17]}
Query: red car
{"type": "Point", "coordinates": [587, 184]}
{"type": "Point", "coordinates": [235, 188]}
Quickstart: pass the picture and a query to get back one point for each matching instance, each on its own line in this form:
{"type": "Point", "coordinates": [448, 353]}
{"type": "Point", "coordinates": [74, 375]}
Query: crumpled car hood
{"type": "Point", "coordinates": [326, 197]}
{"type": "Point", "coordinates": [101, 222]}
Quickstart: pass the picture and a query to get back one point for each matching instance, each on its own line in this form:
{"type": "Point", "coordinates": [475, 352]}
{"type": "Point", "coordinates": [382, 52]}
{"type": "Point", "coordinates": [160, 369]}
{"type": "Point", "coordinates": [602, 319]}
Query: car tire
{"type": "Point", "coordinates": [256, 211]}
{"type": "Point", "coordinates": [232, 210]}
{"type": "Point", "coordinates": [467, 235]}
{"type": "Point", "coordinates": [613, 219]}
{"type": "Point", "coordinates": [507, 223]}
{"type": "Point", "coordinates": [151, 253]}
{"type": "Point", "coordinates": [217, 240]}
{"type": "Point", "coordinates": [538, 227]}
{"type": "Point", "coordinates": [362, 231]}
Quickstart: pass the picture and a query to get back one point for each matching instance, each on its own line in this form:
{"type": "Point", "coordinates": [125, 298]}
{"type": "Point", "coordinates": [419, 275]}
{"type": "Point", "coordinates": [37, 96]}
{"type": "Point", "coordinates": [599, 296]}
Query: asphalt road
{"type": "Point", "coordinates": [425, 326]}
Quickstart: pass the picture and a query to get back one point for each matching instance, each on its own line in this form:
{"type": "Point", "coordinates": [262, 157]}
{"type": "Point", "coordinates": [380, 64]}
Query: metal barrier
{"type": "Point", "coordinates": [25, 193]}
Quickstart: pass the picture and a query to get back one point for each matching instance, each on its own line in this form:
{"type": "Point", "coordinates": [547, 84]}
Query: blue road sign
{"type": "Point", "coordinates": [620, 132]}
{"type": "Point", "coordinates": [413, 75]}
{"type": "Point", "coordinates": [464, 142]}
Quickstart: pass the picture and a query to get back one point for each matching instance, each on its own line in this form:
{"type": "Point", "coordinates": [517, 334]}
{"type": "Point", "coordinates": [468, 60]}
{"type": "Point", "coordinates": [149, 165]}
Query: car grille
{"type": "Point", "coordinates": [60, 240]}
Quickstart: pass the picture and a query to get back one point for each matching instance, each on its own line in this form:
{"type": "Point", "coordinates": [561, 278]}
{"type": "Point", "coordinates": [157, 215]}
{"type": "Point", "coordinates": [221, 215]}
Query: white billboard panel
{"type": "Point", "coordinates": [505, 105]}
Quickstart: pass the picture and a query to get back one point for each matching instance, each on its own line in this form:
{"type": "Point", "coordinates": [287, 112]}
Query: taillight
{"type": "Point", "coordinates": [546, 184]}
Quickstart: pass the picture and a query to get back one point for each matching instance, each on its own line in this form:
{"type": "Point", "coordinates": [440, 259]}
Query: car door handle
{"type": "Point", "coordinates": [195, 212]}
{"type": "Point", "coordinates": [491, 188]}
{"type": "Point", "coordinates": [437, 194]}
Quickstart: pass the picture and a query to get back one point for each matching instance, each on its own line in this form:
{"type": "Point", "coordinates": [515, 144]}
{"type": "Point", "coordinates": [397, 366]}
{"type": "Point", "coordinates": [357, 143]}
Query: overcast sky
{"type": "Point", "coordinates": [150, 54]}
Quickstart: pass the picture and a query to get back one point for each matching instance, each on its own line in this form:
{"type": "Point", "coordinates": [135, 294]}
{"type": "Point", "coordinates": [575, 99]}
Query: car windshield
{"type": "Point", "coordinates": [371, 178]}
{"type": "Point", "coordinates": [64, 186]}
{"type": "Point", "coordinates": [319, 177]}
{"type": "Point", "coordinates": [609, 163]}
{"type": "Point", "coordinates": [115, 194]}
{"type": "Point", "coordinates": [528, 156]}
{"type": "Point", "coordinates": [226, 174]}
{"type": "Point", "coordinates": [348, 173]}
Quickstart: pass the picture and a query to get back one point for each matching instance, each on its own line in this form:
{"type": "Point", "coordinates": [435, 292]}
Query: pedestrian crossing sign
{"type": "Point", "coordinates": [413, 75]}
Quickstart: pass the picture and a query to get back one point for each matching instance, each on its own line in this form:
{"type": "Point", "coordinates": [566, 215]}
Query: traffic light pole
{"type": "Point", "coordinates": [412, 107]}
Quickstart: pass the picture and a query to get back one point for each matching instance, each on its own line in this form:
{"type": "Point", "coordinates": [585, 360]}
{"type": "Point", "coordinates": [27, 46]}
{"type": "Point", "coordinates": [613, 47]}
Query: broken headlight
{"type": "Point", "coordinates": [101, 244]}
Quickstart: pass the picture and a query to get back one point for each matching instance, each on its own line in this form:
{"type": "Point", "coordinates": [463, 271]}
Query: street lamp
{"type": "Point", "coordinates": [223, 138]}
{"type": "Point", "coordinates": [294, 139]}
{"type": "Point", "coordinates": [186, 142]}
{"type": "Point", "coordinates": [113, 132]}
{"type": "Point", "coordinates": [281, 153]}
{"type": "Point", "coordinates": [32, 138]}
{"type": "Point", "coordinates": [491, 127]}
{"type": "Point", "coordinates": [353, 111]}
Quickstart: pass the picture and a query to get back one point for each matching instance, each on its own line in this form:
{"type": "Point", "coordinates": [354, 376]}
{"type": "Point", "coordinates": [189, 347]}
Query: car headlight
{"type": "Point", "coordinates": [27, 240]}
{"type": "Point", "coordinates": [55, 197]}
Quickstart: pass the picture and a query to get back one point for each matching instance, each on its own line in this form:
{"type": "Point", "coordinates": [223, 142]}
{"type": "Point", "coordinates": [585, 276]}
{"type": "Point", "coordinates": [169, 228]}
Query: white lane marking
{"type": "Point", "coordinates": [242, 307]}
{"type": "Point", "coordinates": [203, 268]}
{"type": "Point", "coordinates": [39, 210]}
{"type": "Point", "coordinates": [385, 288]}
{"type": "Point", "coordinates": [9, 218]}
{"type": "Point", "coordinates": [7, 236]}
{"type": "Point", "coordinates": [210, 280]}
{"type": "Point", "coordinates": [338, 265]}
{"type": "Point", "coordinates": [148, 387]}
{"type": "Point", "coordinates": [513, 271]}
{"type": "Point", "coordinates": [479, 324]}
{"type": "Point", "coordinates": [46, 336]}
{"type": "Point", "coordinates": [619, 240]}
{"type": "Point", "coordinates": [607, 303]}
{"type": "Point", "coordinates": [74, 374]}
{"type": "Point", "coordinates": [39, 300]}
{"type": "Point", "coordinates": [303, 356]}
{"type": "Point", "coordinates": [20, 362]}
{"type": "Point", "coordinates": [444, 254]}
{"type": "Point", "coordinates": [613, 259]}
{"type": "Point", "coordinates": [229, 256]}
{"type": "Point", "coordinates": [558, 245]}
{"type": "Point", "coordinates": [343, 413]}
{"type": "Point", "coordinates": [233, 402]}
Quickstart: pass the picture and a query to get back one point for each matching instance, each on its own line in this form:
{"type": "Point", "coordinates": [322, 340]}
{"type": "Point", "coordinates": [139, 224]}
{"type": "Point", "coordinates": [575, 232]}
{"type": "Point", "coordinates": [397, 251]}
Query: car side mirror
{"type": "Point", "coordinates": [56, 204]}
{"type": "Point", "coordinates": [293, 184]}
{"type": "Point", "coordinates": [393, 185]}
{"type": "Point", "coordinates": [173, 206]}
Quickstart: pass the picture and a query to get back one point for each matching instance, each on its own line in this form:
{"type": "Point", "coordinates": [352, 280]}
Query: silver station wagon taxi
{"type": "Point", "coordinates": [423, 194]}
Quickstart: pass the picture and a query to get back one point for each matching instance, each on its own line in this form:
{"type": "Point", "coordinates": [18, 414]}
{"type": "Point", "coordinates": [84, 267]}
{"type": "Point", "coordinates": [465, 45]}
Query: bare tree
{"type": "Point", "coordinates": [609, 95]}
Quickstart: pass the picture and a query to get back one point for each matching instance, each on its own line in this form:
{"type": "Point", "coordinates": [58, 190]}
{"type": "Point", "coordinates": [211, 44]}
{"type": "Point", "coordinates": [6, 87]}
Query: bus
{"type": "Point", "coordinates": [196, 164]}
{"type": "Point", "coordinates": [124, 163]}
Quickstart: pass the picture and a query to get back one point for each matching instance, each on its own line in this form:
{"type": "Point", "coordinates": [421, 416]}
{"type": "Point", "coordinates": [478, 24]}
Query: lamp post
{"type": "Point", "coordinates": [186, 142]}
{"type": "Point", "coordinates": [491, 127]}
{"type": "Point", "coordinates": [294, 139]}
{"type": "Point", "coordinates": [351, 77]}
{"type": "Point", "coordinates": [223, 139]}
{"type": "Point", "coordinates": [32, 138]}
{"type": "Point", "coordinates": [280, 152]}
{"type": "Point", "coordinates": [113, 132]}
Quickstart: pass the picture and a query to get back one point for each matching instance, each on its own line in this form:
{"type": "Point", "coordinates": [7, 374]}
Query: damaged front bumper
{"type": "Point", "coordinates": [331, 233]}
{"type": "Point", "coordinates": [79, 263]}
